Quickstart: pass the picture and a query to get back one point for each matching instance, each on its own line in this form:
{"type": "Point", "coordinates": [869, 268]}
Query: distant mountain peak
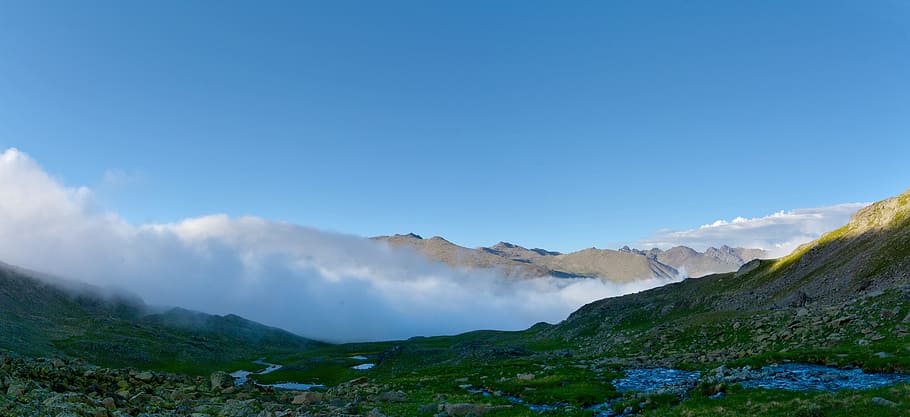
{"type": "Point", "coordinates": [503, 244]}
{"type": "Point", "coordinates": [624, 264]}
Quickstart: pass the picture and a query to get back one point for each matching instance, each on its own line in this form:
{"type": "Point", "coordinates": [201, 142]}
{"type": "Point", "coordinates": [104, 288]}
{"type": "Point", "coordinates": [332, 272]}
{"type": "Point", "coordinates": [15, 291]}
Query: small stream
{"type": "Point", "coordinates": [789, 376]}
{"type": "Point", "coordinates": [656, 379]}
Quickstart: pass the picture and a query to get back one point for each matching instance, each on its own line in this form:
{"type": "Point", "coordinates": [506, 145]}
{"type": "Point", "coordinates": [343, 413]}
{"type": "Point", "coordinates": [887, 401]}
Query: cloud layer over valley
{"type": "Point", "coordinates": [779, 233]}
{"type": "Point", "coordinates": [320, 284]}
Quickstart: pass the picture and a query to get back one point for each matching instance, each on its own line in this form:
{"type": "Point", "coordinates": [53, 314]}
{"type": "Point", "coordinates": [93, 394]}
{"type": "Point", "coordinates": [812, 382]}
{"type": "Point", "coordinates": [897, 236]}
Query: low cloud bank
{"type": "Point", "coordinates": [779, 233]}
{"type": "Point", "coordinates": [320, 284]}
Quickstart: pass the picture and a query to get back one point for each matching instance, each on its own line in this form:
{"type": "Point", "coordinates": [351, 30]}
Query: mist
{"type": "Point", "coordinates": [316, 283]}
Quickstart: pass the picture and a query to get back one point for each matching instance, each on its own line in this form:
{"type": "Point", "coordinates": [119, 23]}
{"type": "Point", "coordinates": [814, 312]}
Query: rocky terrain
{"type": "Point", "coordinates": [822, 332]}
{"type": "Point", "coordinates": [621, 265]}
{"type": "Point", "coordinates": [39, 387]}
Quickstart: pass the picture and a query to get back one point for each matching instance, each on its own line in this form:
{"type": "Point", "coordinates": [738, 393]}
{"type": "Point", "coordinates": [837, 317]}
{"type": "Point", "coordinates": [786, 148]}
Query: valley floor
{"type": "Point", "coordinates": [55, 387]}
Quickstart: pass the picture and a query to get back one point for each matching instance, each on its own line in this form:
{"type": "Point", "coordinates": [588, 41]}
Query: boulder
{"type": "Point", "coordinates": [145, 377]}
{"type": "Point", "coordinates": [109, 403]}
{"type": "Point", "coordinates": [883, 402]}
{"type": "Point", "coordinates": [307, 398]}
{"type": "Point", "coordinates": [16, 390]}
{"type": "Point", "coordinates": [358, 381]}
{"type": "Point", "coordinates": [221, 380]}
{"type": "Point", "coordinates": [375, 413]}
{"type": "Point", "coordinates": [393, 397]}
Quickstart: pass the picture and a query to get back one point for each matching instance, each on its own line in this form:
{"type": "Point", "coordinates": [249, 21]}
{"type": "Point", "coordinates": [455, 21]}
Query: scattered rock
{"type": "Point", "coordinates": [890, 314]}
{"type": "Point", "coordinates": [883, 402]}
{"type": "Point", "coordinates": [465, 409]}
{"type": "Point", "coordinates": [843, 320]}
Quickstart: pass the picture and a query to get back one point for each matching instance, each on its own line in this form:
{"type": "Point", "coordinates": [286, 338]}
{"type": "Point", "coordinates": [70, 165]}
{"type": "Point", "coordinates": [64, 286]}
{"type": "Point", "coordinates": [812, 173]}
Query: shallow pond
{"type": "Point", "coordinates": [242, 377]}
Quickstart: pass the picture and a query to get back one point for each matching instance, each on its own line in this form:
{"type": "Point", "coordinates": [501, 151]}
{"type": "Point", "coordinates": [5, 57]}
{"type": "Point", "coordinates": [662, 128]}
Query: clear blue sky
{"type": "Point", "coordinates": [553, 124]}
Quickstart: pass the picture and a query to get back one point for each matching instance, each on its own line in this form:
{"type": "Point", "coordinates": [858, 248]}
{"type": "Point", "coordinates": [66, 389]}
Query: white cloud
{"type": "Point", "coordinates": [317, 283]}
{"type": "Point", "coordinates": [778, 233]}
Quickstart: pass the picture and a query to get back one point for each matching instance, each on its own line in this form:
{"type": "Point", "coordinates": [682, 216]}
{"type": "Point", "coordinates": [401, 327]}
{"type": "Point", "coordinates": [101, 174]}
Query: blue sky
{"type": "Point", "coordinates": [543, 123]}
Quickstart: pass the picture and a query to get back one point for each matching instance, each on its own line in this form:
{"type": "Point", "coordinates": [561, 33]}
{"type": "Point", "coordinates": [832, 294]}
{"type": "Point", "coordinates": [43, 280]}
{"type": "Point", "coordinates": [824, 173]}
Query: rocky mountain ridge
{"type": "Point", "coordinates": [623, 265]}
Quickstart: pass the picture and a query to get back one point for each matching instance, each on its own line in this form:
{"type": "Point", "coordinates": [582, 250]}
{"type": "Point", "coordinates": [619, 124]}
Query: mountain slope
{"type": "Point", "coordinates": [711, 261]}
{"type": "Point", "coordinates": [439, 249]}
{"type": "Point", "coordinates": [612, 265]}
{"type": "Point", "coordinates": [839, 300]}
{"type": "Point", "coordinates": [43, 318]}
{"type": "Point", "coordinates": [622, 265]}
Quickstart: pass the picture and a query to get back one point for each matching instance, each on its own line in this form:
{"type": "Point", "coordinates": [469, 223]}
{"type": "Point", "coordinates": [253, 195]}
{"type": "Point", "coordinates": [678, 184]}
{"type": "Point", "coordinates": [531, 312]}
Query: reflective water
{"type": "Point", "coordinates": [242, 377]}
{"type": "Point", "coordinates": [801, 377]}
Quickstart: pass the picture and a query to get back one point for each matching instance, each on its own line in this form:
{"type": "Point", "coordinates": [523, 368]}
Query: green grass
{"type": "Point", "coordinates": [779, 403]}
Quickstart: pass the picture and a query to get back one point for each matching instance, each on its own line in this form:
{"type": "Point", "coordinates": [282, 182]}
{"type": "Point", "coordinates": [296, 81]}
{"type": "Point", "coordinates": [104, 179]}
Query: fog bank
{"type": "Point", "coordinates": [313, 282]}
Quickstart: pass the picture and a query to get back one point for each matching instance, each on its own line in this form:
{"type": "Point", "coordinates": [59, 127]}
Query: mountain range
{"type": "Point", "coordinates": [840, 301]}
{"type": "Point", "coordinates": [621, 265]}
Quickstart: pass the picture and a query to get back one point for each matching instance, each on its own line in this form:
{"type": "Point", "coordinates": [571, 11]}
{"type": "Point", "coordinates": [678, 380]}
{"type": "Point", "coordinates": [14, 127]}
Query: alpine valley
{"type": "Point", "coordinates": [823, 331]}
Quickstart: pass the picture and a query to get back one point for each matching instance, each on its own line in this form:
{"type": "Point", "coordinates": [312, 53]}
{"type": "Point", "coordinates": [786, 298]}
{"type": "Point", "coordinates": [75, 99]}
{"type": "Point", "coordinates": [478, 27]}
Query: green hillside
{"type": "Point", "coordinates": [38, 318]}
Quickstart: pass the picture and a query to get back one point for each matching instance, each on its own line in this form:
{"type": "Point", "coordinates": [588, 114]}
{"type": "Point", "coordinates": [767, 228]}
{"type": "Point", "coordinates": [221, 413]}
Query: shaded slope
{"type": "Point", "coordinates": [40, 318]}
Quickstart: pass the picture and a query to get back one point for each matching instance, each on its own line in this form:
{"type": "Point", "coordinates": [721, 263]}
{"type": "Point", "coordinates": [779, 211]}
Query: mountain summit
{"type": "Point", "coordinates": [623, 265]}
